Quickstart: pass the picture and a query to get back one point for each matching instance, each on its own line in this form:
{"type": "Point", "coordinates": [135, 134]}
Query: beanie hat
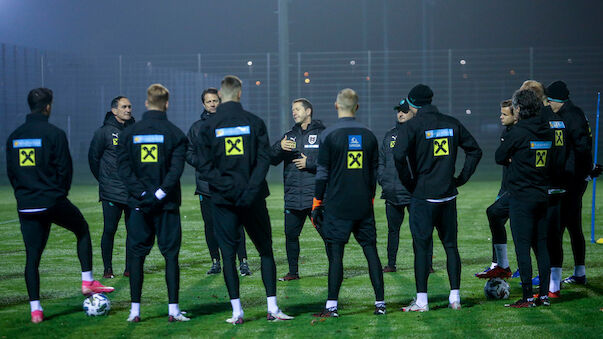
{"type": "Point", "coordinates": [420, 95]}
{"type": "Point", "coordinates": [402, 106]}
{"type": "Point", "coordinates": [557, 91]}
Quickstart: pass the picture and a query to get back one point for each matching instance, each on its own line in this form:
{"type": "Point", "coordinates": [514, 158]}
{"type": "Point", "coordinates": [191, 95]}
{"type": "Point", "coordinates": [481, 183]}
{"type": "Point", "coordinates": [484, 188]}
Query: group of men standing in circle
{"type": "Point", "coordinates": [330, 176]}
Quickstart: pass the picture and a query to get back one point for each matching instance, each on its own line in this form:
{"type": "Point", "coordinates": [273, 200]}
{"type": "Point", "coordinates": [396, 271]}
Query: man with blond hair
{"type": "Point", "coordinates": [234, 157]}
{"type": "Point", "coordinates": [151, 161]}
{"type": "Point", "coordinates": [346, 179]}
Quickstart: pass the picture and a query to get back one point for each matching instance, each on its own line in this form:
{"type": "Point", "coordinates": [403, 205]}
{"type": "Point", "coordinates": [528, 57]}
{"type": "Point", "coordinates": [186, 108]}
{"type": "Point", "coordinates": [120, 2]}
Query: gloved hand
{"type": "Point", "coordinates": [317, 215]}
{"type": "Point", "coordinates": [246, 198]}
{"type": "Point", "coordinates": [597, 169]}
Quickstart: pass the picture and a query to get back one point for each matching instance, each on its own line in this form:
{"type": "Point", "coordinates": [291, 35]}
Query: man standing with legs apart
{"type": "Point", "coordinates": [346, 179]}
{"type": "Point", "coordinates": [431, 141]}
{"type": "Point", "coordinates": [39, 168]}
{"type": "Point", "coordinates": [102, 158]}
{"type": "Point", "coordinates": [234, 158]}
{"type": "Point", "coordinates": [298, 150]}
{"type": "Point", "coordinates": [498, 212]}
{"type": "Point", "coordinates": [210, 101]}
{"type": "Point", "coordinates": [151, 161]}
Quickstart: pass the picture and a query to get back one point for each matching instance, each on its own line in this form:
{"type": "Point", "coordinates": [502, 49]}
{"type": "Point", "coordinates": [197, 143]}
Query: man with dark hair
{"type": "Point", "coordinates": [40, 170]}
{"type": "Point", "coordinates": [579, 168]}
{"type": "Point", "coordinates": [102, 158]}
{"type": "Point", "coordinates": [498, 212]}
{"type": "Point", "coordinates": [210, 101]}
{"type": "Point", "coordinates": [298, 150]}
{"type": "Point", "coordinates": [346, 179]}
{"type": "Point", "coordinates": [425, 154]}
{"type": "Point", "coordinates": [234, 157]}
{"type": "Point", "coordinates": [151, 161]}
{"type": "Point", "coordinates": [527, 151]}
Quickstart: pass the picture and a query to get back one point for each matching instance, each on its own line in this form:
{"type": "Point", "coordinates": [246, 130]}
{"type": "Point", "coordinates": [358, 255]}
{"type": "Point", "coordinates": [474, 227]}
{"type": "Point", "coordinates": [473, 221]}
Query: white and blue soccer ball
{"type": "Point", "coordinates": [97, 304]}
{"type": "Point", "coordinates": [497, 288]}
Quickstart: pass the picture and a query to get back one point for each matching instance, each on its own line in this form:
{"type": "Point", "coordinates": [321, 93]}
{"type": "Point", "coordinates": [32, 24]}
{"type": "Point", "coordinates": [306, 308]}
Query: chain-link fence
{"type": "Point", "coordinates": [468, 84]}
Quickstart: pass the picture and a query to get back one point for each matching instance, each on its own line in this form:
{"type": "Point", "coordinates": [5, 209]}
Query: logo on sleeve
{"type": "Point", "coordinates": [440, 147]}
{"type": "Point", "coordinates": [354, 141]}
{"type": "Point", "coordinates": [234, 145]}
{"type": "Point", "coordinates": [354, 159]}
{"type": "Point", "coordinates": [149, 153]}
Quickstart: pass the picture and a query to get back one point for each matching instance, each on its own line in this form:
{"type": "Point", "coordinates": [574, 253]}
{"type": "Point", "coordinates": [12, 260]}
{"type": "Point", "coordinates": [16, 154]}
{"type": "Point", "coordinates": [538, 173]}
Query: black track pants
{"type": "Point", "coordinates": [498, 214]}
{"type": "Point", "coordinates": [35, 228]}
{"type": "Point", "coordinates": [294, 223]}
{"type": "Point", "coordinates": [141, 237]}
{"type": "Point", "coordinates": [571, 219]}
{"type": "Point", "coordinates": [111, 214]}
{"type": "Point", "coordinates": [210, 237]}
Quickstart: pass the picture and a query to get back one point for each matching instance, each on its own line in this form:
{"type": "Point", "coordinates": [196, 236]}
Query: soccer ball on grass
{"type": "Point", "coordinates": [497, 288]}
{"type": "Point", "coordinates": [97, 304]}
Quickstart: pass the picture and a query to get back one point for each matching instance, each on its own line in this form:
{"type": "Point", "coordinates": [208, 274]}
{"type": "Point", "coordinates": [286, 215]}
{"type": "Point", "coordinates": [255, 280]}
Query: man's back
{"type": "Point", "coordinates": [38, 163]}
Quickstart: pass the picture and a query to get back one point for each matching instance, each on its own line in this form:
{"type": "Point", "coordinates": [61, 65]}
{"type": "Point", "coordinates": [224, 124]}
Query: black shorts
{"type": "Point", "coordinates": [337, 230]}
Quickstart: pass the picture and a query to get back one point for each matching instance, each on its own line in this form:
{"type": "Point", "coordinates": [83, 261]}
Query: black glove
{"type": "Point", "coordinates": [317, 217]}
{"type": "Point", "coordinates": [597, 169]}
{"type": "Point", "coordinates": [147, 202]}
{"type": "Point", "coordinates": [246, 199]}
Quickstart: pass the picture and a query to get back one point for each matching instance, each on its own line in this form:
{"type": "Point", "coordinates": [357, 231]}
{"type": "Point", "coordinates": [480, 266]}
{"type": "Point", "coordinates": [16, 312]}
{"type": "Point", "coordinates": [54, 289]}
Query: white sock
{"type": "Point", "coordinates": [173, 309]}
{"type": "Point", "coordinates": [35, 305]}
{"type": "Point", "coordinates": [555, 283]}
{"type": "Point", "coordinates": [492, 265]}
{"type": "Point", "coordinates": [580, 271]}
{"type": "Point", "coordinates": [380, 303]}
{"type": "Point", "coordinates": [455, 296]}
{"type": "Point", "coordinates": [87, 276]}
{"type": "Point", "coordinates": [237, 310]}
{"type": "Point", "coordinates": [271, 301]}
{"type": "Point", "coordinates": [501, 255]}
{"type": "Point", "coordinates": [421, 299]}
{"type": "Point", "coordinates": [135, 309]}
{"type": "Point", "coordinates": [331, 304]}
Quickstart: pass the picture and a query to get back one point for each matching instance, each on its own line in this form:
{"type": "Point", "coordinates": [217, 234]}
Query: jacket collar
{"type": "Point", "coordinates": [111, 120]}
{"type": "Point", "coordinates": [230, 105]}
{"type": "Point", "coordinates": [36, 116]}
{"type": "Point", "coordinates": [155, 115]}
{"type": "Point", "coordinates": [312, 125]}
{"type": "Point", "coordinates": [428, 109]}
{"type": "Point", "coordinates": [205, 115]}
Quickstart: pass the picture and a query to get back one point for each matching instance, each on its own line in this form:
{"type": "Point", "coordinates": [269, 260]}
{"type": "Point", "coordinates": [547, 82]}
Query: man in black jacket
{"type": "Point", "coordinates": [579, 168]}
{"type": "Point", "coordinates": [528, 152]}
{"type": "Point", "coordinates": [298, 150]}
{"type": "Point", "coordinates": [102, 158]}
{"type": "Point", "coordinates": [498, 212]}
{"type": "Point", "coordinates": [151, 161]}
{"type": "Point", "coordinates": [210, 101]}
{"type": "Point", "coordinates": [346, 179]}
{"type": "Point", "coordinates": [234, 157]}
{"type": "Point", "coordinates": [40, 170]}
{"type": "Point", "coordinates": [431, 141]}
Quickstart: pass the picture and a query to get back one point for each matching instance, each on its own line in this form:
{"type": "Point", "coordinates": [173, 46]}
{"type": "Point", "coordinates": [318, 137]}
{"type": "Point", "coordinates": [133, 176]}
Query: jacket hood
{"type": "Point", "coordinates": [314, 124]}
{"type": "Point", "coordinates": [535, 125]}
{"type": "Point", "coordinates": [111, 120]}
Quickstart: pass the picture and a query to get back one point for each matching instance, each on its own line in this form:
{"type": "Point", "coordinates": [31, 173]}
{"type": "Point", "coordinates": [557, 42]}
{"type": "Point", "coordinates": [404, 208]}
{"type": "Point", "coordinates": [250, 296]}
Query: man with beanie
{"type": "Point", "coordinates": [102, 158]}
{"type": "Point", "coordinates": [396, 196]}
{"type": "Point", "coordinates": [39, 168]}
{"type": "Point", "coordinates": [151, 161]}
{"type": "Point", "coordinates": [425, 155]}
{"type": "Point", "coordinates": [579, 168]}
{"type": "Point", "coordinates": [298, 150]}
{"type": "Point", "coordinates": [234, 158]}
{"type": "Point", "coordinates": [210, 101]}
{"type": "Point", "coordinates": [346, 179]}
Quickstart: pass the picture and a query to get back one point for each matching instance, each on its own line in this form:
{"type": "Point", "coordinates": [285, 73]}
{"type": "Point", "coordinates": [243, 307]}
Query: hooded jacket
{"type": "Point", "coordinates": [580, 158]}
{"type": "Point", "coordinates": [102, 158]}
{"type": "Point", "coordinates": [299, 184]}
{"type": "Point", "coordinates": [528, 152]}
{"type": "Point", "coordinates": [202, 187]}
{"type": "Point", "coordinates": [387, 175]}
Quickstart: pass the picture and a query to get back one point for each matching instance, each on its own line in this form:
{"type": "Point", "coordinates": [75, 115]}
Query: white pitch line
{"type": "Point", "coordinates": [8, 221]}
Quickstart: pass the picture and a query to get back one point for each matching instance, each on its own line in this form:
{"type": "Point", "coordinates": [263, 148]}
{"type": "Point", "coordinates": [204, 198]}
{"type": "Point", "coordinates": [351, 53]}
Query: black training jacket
{"type": "Point", "coordinates": [503, 182]}
{"type": "Point", "coordinates": [151, 156]}
{"type": "Point", "coordinates": [102, 158]}
{"type": "Point", "coordinates": [579, 159]}
{"type": "Point", "coordinates": [431, 140]}
{"type": "Point", "coordinates": [299, 184]}
{"type": "Point", "coordinates": [38, 163]}
{"type": "Point", "coordinates": [193, 136]}
{"type": "Point", "coordinates": [346, 176]}
{"type": "Point", "coordinates": [559, 175]}
{"type": "Point", "coordinates": [528, 152]}
{"type": "Point", "coordinates": [234, 155]}
{"type": "Point", "coordinates": [392, 189]}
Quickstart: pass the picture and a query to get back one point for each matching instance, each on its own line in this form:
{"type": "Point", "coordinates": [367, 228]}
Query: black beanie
{"type": "Point", "coordinates": [557, 91]}
{"type": "Point", "coordinates": [402, 106]}
{"type": "Point", "coordinates": [420, 95]}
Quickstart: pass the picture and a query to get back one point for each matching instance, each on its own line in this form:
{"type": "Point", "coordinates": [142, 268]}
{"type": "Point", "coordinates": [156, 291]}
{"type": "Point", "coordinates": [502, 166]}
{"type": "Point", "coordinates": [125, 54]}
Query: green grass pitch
{"type": "Point", "coordinates": [577, 315]}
